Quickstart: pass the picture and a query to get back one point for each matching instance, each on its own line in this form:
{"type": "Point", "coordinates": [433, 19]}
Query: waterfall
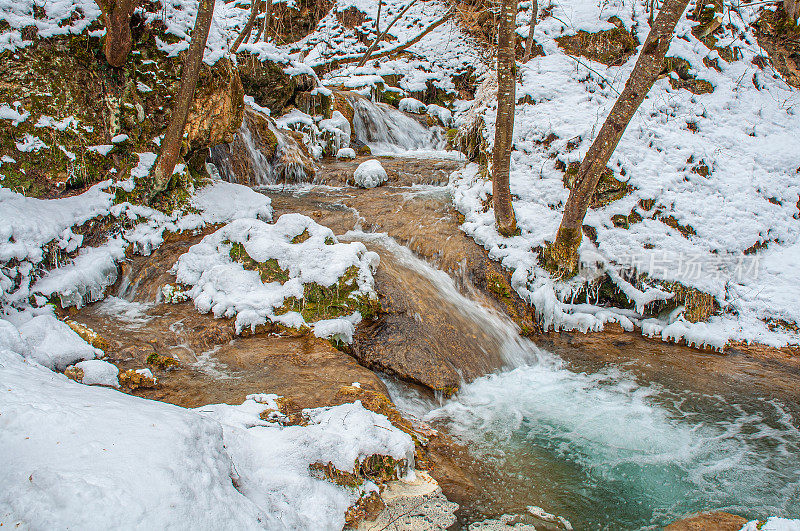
{"type": "Point", "coordinates": [388, 131]}
{"type": "Point", "coordinates": [603, 447]}
{"type": "Point", "coordinates": [262, 154]}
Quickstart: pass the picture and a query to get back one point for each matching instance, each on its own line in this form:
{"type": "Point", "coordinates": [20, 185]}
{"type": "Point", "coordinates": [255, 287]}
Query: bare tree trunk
{"type": "Point", "coordinates": [792, 8]}
{"type": "Point", "coordinates": [378, 18]}
{"type": "Point", "coordinates": [563, 254]}
{"type": "Point", "coordinates": [504, 125]}
{"type": "Point", "coordinates": [529, 42]}
{"type": "Point", "coordinates": [248, 27]}
{"type": "Point", "coordinates": [171, 145]}
{"type": "Point", "coordinates": [382, 35]}
{"type": "Point", "coordinates": [267, 20]}
{"type": "Point", "coordinates": [117, 19]}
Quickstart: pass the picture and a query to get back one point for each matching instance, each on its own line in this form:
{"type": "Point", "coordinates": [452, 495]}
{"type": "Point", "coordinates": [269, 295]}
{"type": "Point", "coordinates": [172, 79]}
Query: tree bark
{"type": "Point", "coordinates": [792, 8]}
{"type": "Point", "coordinates": [267, 20]}
{"type": "Point", "coordinates": [563, 254]}
{"type": "Point", "coordinates": [529, 41]}
{"type": "Point", "coordinates": [378, 18]}
{"type": "Point", "coordinates": [248, 27]}
{"type": "Point", "coordinates": [382, 35]}
{"type": "Point", "coordinates": [504, 125]}
{"type": "Point", "coordinates": [117, 19]}
{"type": "Point", "coordinates": [171, 145]}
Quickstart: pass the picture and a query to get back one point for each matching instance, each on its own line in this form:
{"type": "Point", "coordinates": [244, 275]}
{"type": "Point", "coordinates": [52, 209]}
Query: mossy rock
{"type": "Point", "coordinates": [611, 47]}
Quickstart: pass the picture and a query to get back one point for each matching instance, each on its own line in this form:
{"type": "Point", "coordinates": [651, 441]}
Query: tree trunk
{"type": "Point", "coordinates": [792, 8]}
{"type": "Point", "coordinates": [117, 19]}
{"type": "Point", "coordinates": [267, 20]}
{"type": "Point", "coordinates": [171, 145]}
{"type": "Point", "coordinates": [529, 42]}
{"type": "Point", "coordinates": [378, 18]}
{"type": "Point", "coordinates": [248, 27]}
{"type": "Point", "coordinates": [504, 125]}
{"type": "Point", "coordinates": [563, 254]}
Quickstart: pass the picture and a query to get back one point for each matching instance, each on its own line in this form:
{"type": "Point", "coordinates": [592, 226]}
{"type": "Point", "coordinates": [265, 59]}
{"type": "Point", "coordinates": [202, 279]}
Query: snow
{"type": "Point", "coordinates": [53, 344]}
{"type": "Point", "coordinates": [346, 153]}
{"type": "Point", "coordinates": [744, 134]}
{"type": "Point", "coordinates": [225, 288]}
{"type": "Point", "coordinates": [370, 174]}
{"type": "Point", "coordinates": [412, 105]}
{"type": "Point", "coordinates": [91, 457]}
{"type": "Point", "coordinates": [773, 524]}
{"type": "Point", "coordinates": [98, 372]}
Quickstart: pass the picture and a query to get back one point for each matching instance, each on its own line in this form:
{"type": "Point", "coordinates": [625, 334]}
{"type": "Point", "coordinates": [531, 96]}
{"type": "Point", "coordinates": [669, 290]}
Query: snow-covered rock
{"type": "Point", "coordinates": [53, 344]}
{"type": "Point", "coordinates": [370, 174]}
{"type": "Point", "coordinates": [412, 105]}
{"type": "Point", "coordinates": [442, 115]}
{"type": "Point", "coordinates": [98, 372]}
{"type": "Point", "coordinates": [346, 153]}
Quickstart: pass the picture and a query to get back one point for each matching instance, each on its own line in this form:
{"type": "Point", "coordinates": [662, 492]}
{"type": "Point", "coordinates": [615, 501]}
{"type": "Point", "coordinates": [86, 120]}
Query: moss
{"type": "Point", "coordinates": [496, 283]}
{"type": "Point", "coordinates": [88, 335]}
{"type": "Point", "coordinates": [74, 373]}
{"type": "Point", "coordinates": [303, 236]}
{"type": "Point", "coordinates": [699, 306]}
{"type": "Point", "coordinates": [162, 362]}
{"type": "Point", "coordinates": [684, 80]}
{"type": "Point", "coordinates": [610, 47]}
{"type": "Point", "coordinates": [269, 270]}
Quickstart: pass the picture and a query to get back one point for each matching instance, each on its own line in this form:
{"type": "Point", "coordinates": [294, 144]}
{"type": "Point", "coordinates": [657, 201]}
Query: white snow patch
{"type": "Point", "coordinates": [370, 174]}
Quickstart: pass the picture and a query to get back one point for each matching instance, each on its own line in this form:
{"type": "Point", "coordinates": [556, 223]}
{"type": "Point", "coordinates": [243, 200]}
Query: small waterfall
{"type": "Point", "coordinates": [387, 131]}
{"type": "Point", "coordinates": [262, 154]}
{"type": "Point", "coordinates": [600, 447]}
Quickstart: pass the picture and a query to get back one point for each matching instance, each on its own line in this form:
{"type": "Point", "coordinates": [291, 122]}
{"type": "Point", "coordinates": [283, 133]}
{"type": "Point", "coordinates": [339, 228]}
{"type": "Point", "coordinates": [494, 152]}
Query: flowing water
{"type": "Point", "coordinates": [632, 444]}
{"type": "Point", "coordinates": [603, 448]}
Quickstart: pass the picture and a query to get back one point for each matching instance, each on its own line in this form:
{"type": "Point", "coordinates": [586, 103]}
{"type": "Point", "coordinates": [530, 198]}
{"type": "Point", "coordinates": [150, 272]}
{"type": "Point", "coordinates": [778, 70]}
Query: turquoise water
{"type": "Point", "coordinates": [606, 452]}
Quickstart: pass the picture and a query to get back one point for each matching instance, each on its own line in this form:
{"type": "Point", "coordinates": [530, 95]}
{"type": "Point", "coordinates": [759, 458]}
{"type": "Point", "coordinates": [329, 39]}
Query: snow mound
{"type": "Point", "coordinates": [370, 174]}
{"type": "Point", "coordinates": [412, 105]}
{"type": "Point", "coordinates": [99, 372]}
{"type": "Point", "coordinates": [305, 253]}
{"type": "Point", "coordinates": [346, 153]}
{"type": "Point", "coordinates": [53, 344]}
{"type": "Point", "coordinates": [773, 523]}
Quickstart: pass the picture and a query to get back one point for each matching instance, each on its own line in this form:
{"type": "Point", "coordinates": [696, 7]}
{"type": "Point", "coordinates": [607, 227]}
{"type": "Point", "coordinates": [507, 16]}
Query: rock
{"type": "Point", "coordinates": [412, 105]}
{"type": "Point", "coordinates": [712, 521]}
{"type": "Point", "coordinates": [260, 153]}
{"type": "Point", "coordinates": [346, 153]}
{"type": "Point", "coordinates": [369, 174]}
{"type": "Point", "coordinates": [97, 372]}
{"type": "Point", "coordinates": [268, 84]}
{"type": "Point", "coordinates": [218, 107]}
{"type": "Point", "coordinates": [137, 378]}
{"type": "Point", "coordinates": [413, 504]}
{"type": "Point", "coordinates": [611, 47]}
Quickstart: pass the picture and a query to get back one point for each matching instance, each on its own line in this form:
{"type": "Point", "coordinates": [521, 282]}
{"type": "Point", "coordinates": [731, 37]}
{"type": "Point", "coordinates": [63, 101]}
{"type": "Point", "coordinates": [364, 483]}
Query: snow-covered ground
{"type": "Point", "coordinates": [91, 457]}
{"type": "Point", "coordinates": [746, 132]}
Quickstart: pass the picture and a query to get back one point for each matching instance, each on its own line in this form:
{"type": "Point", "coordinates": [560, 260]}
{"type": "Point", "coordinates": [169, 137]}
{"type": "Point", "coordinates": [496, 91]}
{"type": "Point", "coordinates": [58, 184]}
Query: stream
{"type": "Point", "coordinates": [632, 434]}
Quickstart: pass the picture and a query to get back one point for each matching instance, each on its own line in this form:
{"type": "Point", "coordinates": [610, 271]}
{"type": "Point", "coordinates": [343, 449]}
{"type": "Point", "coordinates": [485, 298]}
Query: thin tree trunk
{"type": "Point", "coordinates": [171, 145]}
{"type": "Point", "coordinates": [382, 35]}
{"type": "Point", "coordinates": [504, 125]}
{"type": "Point", "coordinates": [563, 254]}
{"type": "Point", "coordinates": [267, 20]}
{"type": "Point", "coordinates": [117, 19]}
{"type": "Point", "coordinates": [378, 18]}
{"type": "Point", "coordinates": [792, 8]}
{"type": "Point", "coordinates": [248, 27]}
{"type": "Point", "coordinates": [529, 42]}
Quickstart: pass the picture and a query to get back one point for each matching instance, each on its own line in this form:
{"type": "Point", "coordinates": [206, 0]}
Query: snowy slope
{"type": "Point", "coordinates": [747, 133]}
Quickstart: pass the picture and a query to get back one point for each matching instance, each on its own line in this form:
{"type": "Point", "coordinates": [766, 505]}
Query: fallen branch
{"type": "Point", "coordinates": [386, 53]}
{"type": "Point", "coordinates": [383, 34]}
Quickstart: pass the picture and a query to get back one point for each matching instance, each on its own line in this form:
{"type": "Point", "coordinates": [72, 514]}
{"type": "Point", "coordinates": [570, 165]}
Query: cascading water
{"type": "Point", "coordinates": [388, 131]}
{"type": "Point", "coordinates": [603, 449]}
{"type": "Point", "coordinates": [261, 154]}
